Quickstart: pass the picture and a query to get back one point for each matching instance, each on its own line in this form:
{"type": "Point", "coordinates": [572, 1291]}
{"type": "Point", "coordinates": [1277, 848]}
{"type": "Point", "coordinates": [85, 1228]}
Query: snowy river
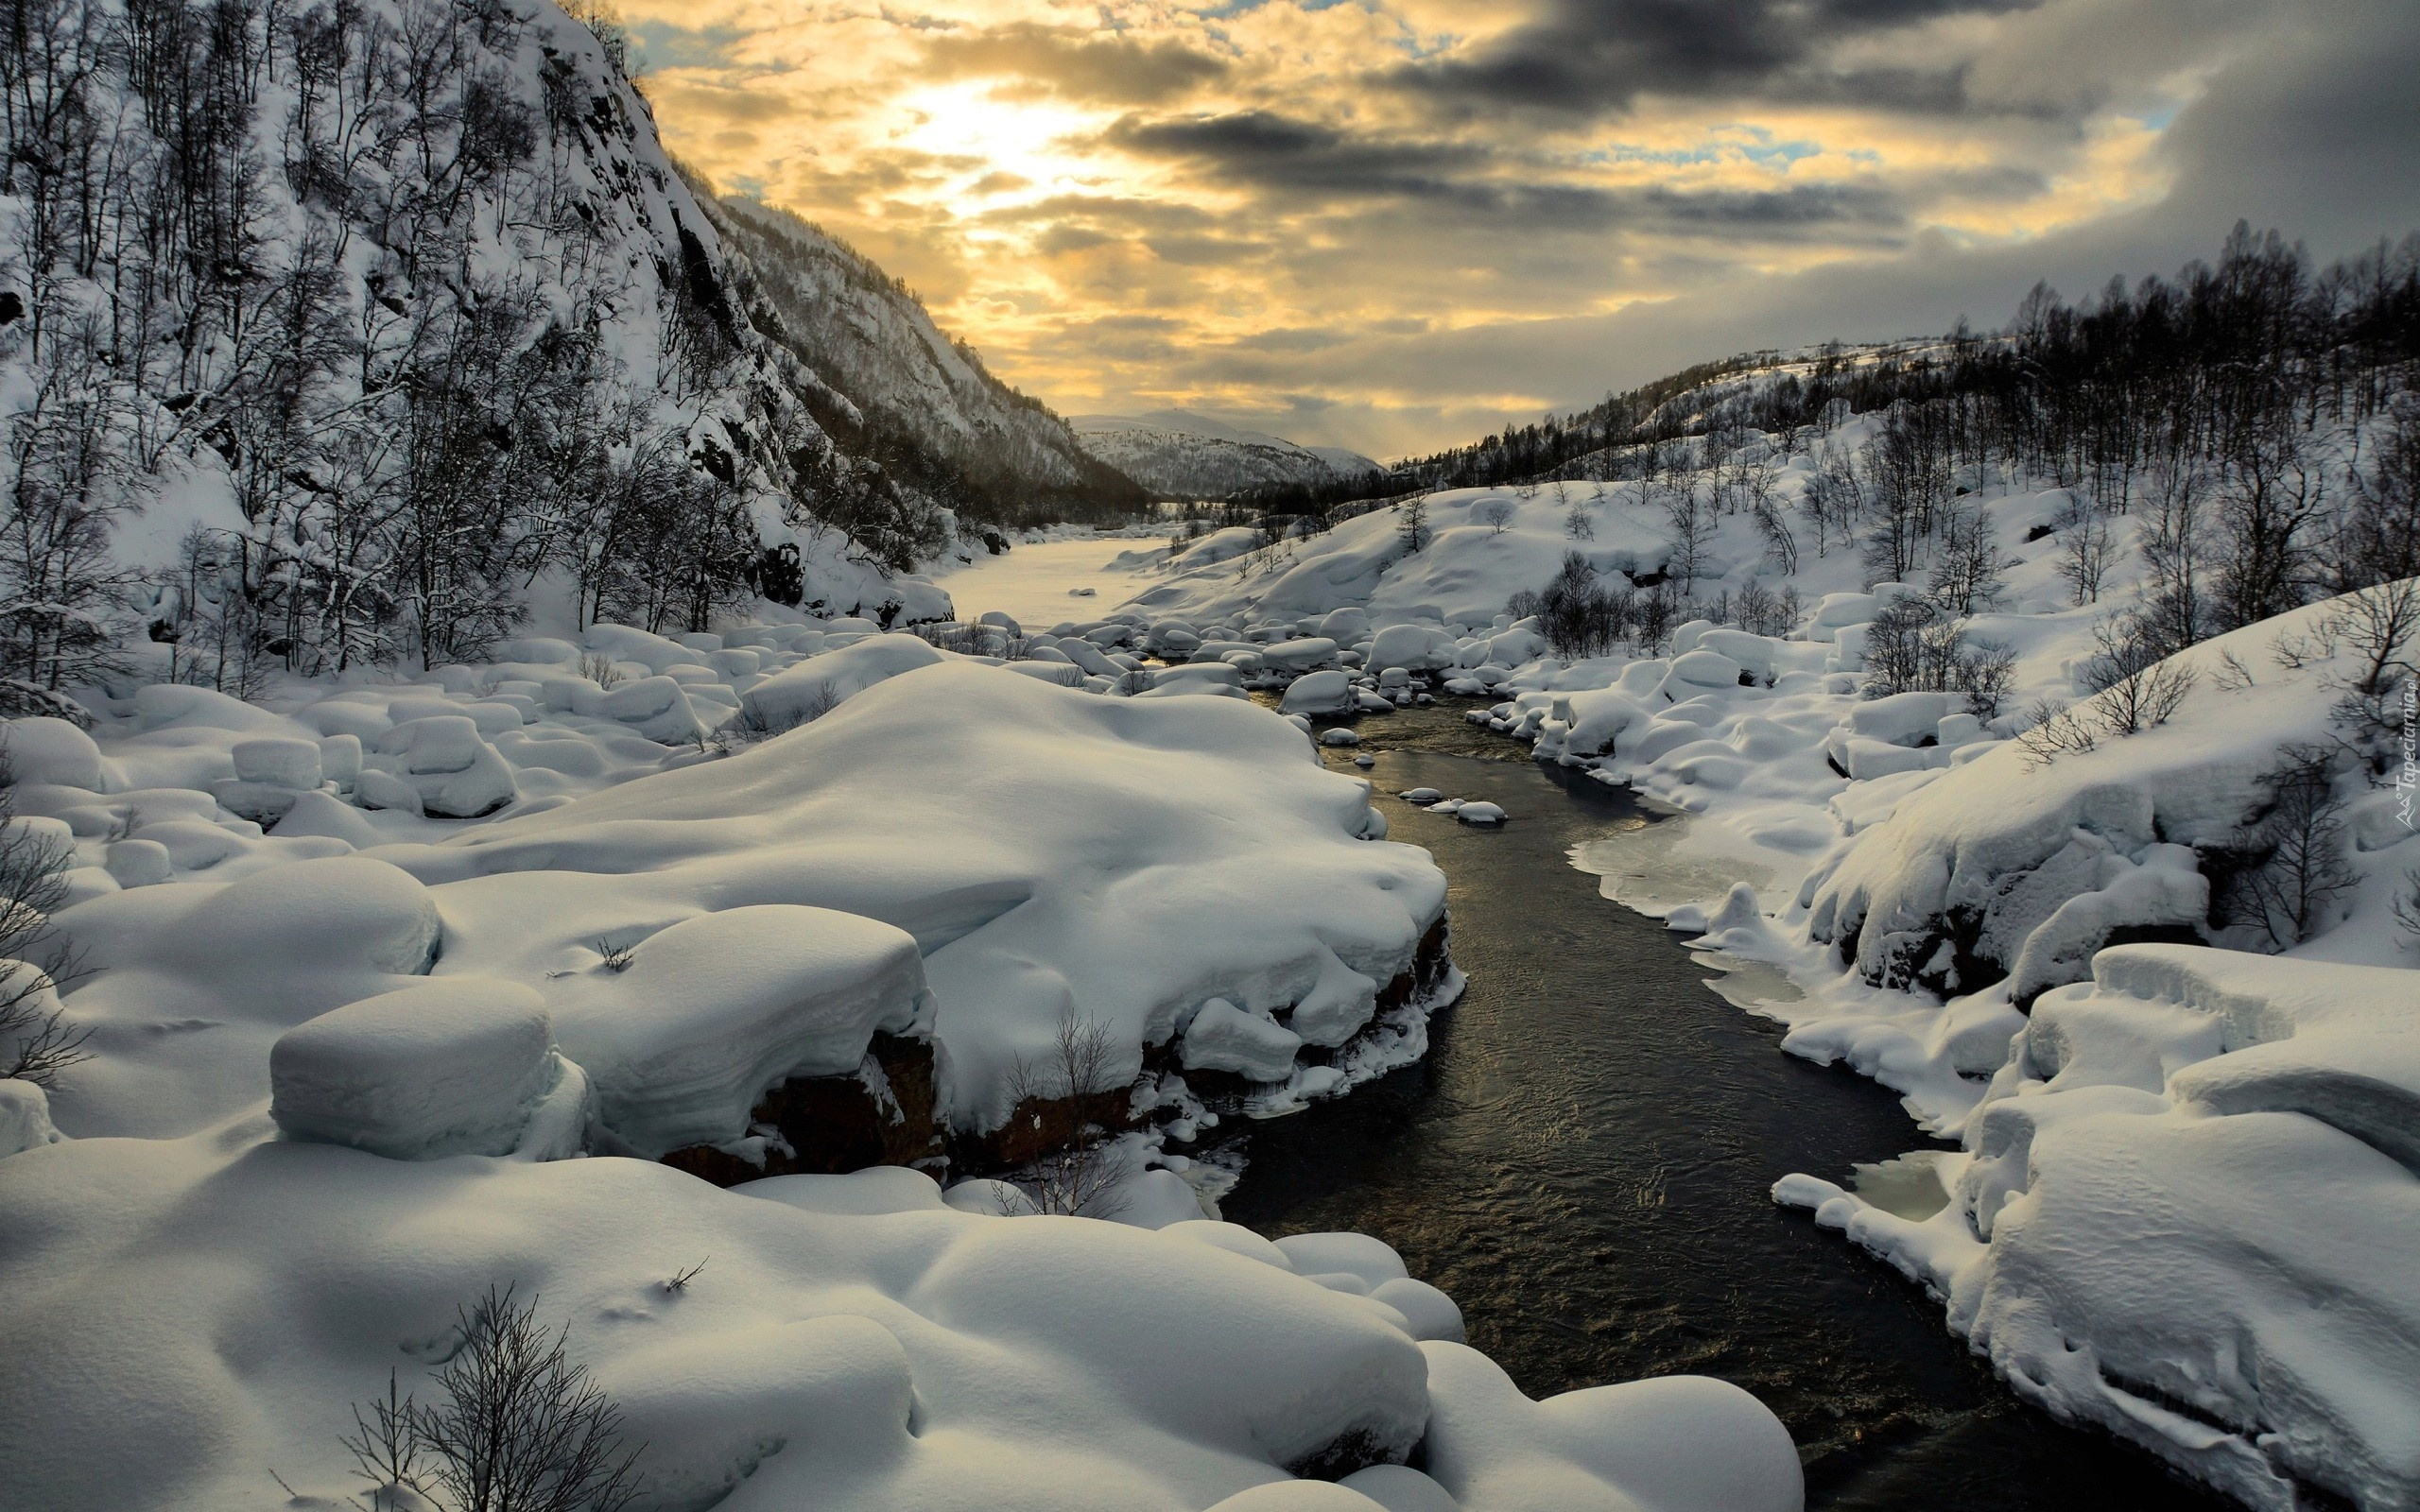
{"type": "Point", "coordinates": [1583, 1163]}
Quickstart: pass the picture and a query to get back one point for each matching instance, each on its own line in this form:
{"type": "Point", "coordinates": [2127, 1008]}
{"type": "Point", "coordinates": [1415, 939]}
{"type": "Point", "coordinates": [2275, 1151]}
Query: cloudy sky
{"type": "Point", "coordinates": [1396, 224]}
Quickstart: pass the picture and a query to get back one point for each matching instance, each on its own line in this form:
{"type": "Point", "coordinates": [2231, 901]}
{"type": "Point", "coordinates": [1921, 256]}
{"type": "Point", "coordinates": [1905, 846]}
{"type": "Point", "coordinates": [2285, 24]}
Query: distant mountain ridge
{"type": "Point", "coordinates": [892, 386]}
{"type": "Point", "coordinates": [1179, 455]}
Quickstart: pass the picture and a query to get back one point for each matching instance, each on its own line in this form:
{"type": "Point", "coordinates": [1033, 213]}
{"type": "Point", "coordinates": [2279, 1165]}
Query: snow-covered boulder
{"type": "Point", "coordinates": [453, 1066]}
{"type": "Point", "coordinates": [1412, 647]}
{"type": "Point", "coordinates": [1225, 1038]}
{"type": "Point", "coordinates": [1692, 671]}
{"type": "Point", "coordinates": [706, 1016]}
{"type": "Point", "coordinates": [1051, 852]}
{"type": "Point", "coordinates": [1300, 654]}
{"type": "Point", "coordinates": [813, 687]}
{"type": "Point", "coordinates": [2180, 1216]}
{"type": "Point", "coordinates": [1632, 1445]}
{"type": "Point", "coordinates": [42, 750]}
{"type": "Point", "coordinates": [191, 985]}
{"type": "Point", "coordinates": [25, 1118]}
{"type": "Point", "coordinates": [443, 760]}
{"type": "Point", "coordinates": [1348, 625]}
{"type": "Point", "coordinates": [656, 708]}
{"type": "Point", "coordinates": [1967, 869]}
{"type": "Point", "coordinates": [1319, 694]}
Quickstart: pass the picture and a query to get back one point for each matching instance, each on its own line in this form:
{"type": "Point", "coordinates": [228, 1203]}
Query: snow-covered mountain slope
{"type": "Point", "coordinates": [1179, 455]}
{"type": "Point", "coordinates": [514, 924]}
{"type": "Point", "coordinates": [356, 334]}
{"type": "Point", "coordinates": [893, 387]}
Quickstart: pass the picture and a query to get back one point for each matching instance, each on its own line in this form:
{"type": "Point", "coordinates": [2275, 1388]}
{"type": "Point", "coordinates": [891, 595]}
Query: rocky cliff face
{"type": "Point", "coordinates": [892, 386]}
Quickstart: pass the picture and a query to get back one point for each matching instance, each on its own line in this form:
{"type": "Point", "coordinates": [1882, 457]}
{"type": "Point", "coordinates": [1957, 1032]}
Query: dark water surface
{"type": "Point", "coordinates": [1582, 1164]}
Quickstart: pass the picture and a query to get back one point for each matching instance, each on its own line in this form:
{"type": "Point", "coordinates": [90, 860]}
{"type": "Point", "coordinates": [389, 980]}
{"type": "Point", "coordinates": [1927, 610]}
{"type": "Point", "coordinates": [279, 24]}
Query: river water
{"type": "Point", "coordinates": [1582, 1164]}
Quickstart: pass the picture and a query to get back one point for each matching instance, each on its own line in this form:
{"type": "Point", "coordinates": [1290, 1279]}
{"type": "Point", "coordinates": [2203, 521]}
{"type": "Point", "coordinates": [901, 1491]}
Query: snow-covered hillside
{"type": "Point", "coordinates": [358, 335]}
{"type": "Point", "coordinates": [896, 387]}
{"type": "Point", "coordinates": [1179, 455]}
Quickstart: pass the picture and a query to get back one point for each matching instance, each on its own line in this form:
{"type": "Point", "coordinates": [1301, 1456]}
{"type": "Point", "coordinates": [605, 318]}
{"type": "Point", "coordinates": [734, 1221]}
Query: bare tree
{"type": "Point", "coordinates": [1967, 572]}
{"type": "Point", "coordinates": [2177, 550]}
{"type": "Point", "coordinates": [2298, 832]}
{"type": "Point", "coordinates": [1497, 512]}
{"type": "Point", "coordinates": [1693, 525]}
{"type": "Point", "coordinates": [1075, 1175]}
{"type": "Point", "coordinates": [36, 1041]}
{"type": "Point", "coordinates": [1911, 646]}
{"type": "Point", "coordinates": [2087, 548]}
{"type": "Point", "coordinates": [521, 1428]}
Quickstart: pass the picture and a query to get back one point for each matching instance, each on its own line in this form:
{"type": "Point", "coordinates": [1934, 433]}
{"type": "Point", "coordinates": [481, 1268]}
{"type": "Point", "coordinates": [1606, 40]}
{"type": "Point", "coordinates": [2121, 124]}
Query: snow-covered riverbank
{"type": "Point", "coordinates": [1901, 878]}
{"type": "Point", "coordinates": [383, 987]}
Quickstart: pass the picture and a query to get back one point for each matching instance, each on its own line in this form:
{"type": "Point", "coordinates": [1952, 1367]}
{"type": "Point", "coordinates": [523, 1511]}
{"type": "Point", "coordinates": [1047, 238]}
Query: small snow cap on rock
{"type": "Point", "coordinates": [1225, 1038]}
{"type": "Point", "coordinates": [25, 1118]}
{"type": "Point", "coordinates": [1319, 693]}
{"type": "Point", "coordinates": [1480, 812]}
{"type": "Point", "coordinates": [450, 1066]}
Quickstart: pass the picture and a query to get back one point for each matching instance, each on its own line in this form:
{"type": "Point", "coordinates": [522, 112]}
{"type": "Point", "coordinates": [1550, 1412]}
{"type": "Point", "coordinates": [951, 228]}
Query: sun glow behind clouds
{"type": "Point", "coordinates": [997, 152]}
{"type": "Point", "coordinates": [1251, 209]}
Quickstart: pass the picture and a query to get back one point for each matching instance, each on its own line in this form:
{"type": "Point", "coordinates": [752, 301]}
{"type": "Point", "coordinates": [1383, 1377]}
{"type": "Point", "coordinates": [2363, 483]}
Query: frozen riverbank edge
{"type": "Point", "coordinates": [1926, 886]}
{"type": "Point", "coordinates": [355, 1060]}
{"type": "Point", "coordinates": [2179, 1168]}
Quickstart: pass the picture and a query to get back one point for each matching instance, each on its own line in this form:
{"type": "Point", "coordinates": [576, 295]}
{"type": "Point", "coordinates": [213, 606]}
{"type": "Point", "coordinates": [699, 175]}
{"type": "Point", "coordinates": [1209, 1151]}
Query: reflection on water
{"type": "Point", "coordinates": [1907, 1185]}
{"type": "Point", "coordinates": [1583, 1160]}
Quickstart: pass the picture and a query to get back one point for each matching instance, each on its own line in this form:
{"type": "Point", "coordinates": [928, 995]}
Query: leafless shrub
{"type": "Point", "coordinates": [754, 724]}
{"type": "Point", "coordinates": [2088, 549]}
{"type": "Point", "coordinates": [678, 1281]}
{"type": "Point", "coordinates": [1077, 1178]}
{"type": "Point", "coordinates": [1912, 646]}
{"type": "Point", "coordinates": [2232, 675]}
{"type": "Point", "coordinates": [2052, 730]}
{"type": "Point", "coordinates": [2378, 626]}
{"type": "Point", "coordinates": [2407, 909]}
{"type": "Point", "coordinates": [1497, 513]}
{"type": "Point", "coordinates": [521, 1428]}
{"type": "Point", "coordinates": [1762, 612]}
{"type": "Point", "coordinates": [2298, 831]}
{"type": "Point", "coordinates": [36, 1041]}
{"type": "Point", "coordinates": [2141, 689]}
{"type": "Point", "coordinates": [602, 670]}
{"type": "Point", "coordinates": [616, 957]}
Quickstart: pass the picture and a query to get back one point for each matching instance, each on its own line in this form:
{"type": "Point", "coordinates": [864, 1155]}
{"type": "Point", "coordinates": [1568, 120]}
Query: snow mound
{"type": "Point", "coordinates": [2180, 1214]}
{"type": "Point", "coordinates": [713, 1011]}
{"type": "Point", "coordinates": [2018, 864]}
{"type": "Point", "coordinates": [843, 1349]}
{"type": "Point", "coordinates": [1051, 852]}
{"type": "Point", "coordinates": [442, 1068]}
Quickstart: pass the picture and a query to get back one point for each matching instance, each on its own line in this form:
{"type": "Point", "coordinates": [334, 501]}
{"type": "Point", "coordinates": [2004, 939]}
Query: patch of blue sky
{"type": "Point", "coordinates": [1725, 142]}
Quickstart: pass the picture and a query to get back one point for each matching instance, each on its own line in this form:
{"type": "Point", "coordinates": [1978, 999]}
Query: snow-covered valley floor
{"type": "Point", "coordinates": [1037, 582]}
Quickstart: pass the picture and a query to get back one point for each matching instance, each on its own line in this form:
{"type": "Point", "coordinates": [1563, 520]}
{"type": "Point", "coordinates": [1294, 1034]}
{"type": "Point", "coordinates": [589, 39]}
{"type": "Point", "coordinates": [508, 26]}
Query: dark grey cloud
{"type": "Point", "coordinates": [1310, 162]}
{"type": "Point", "coordinates": [1074, 65]}
{"type": "Point", "coordinates": [1589, 58]}
{"type": "Point", "coordinates": [2311, 134]}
